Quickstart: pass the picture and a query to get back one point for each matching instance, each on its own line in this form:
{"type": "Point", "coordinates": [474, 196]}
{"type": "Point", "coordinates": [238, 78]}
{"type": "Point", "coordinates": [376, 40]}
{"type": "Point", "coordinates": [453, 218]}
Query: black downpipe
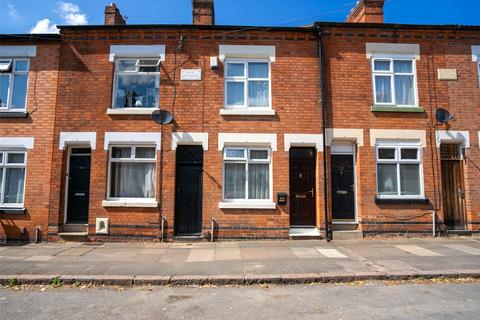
{"type": "Point", "coordinates": [324, 126]}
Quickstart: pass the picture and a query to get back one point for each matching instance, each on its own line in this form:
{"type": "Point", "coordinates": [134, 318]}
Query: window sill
{"type": "Point", "coordinates": [13, 114]}
{"type": "Point", "coordinates": [401, 201]}
{"type": "Point", "coordinates": [11, 210]}
{"type": "Point", "coordinates": [379, 108]}
{"type": "Point", "coordinates": [131, 111]}
{"type": "Point", "coordinates": [248, 112]}
{"type": "Point", "coordinates": [130, 203]}
{"type": "Point", "coordinates": [247, 205]}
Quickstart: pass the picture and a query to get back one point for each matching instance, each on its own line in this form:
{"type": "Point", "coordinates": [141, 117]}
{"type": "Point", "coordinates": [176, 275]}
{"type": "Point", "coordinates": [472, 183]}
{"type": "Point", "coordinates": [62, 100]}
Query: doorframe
{"type": "Point", "coordinates": [353, 153]}
{"type": "Point", "coordinates": [67, 172]}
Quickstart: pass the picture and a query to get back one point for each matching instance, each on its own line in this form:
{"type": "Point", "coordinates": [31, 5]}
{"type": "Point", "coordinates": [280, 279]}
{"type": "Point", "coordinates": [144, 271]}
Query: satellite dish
{"type": "Point", "coordinates": [162, 117]}
{"type": "Point", "coordinates": [443, 116]}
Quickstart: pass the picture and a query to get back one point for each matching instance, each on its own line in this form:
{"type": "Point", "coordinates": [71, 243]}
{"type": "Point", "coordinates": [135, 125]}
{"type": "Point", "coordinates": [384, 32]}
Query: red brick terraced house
{"type": "Point", "coordinates": [268, 132]}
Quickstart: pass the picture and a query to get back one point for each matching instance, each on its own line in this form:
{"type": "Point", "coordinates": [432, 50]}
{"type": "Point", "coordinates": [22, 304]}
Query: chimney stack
{"type": "Point", "coordinates": [367, 11]}
{"type": "Point", "coordinates": [203, 12]}
{"type": "Point", "coordinates": [113, 16]}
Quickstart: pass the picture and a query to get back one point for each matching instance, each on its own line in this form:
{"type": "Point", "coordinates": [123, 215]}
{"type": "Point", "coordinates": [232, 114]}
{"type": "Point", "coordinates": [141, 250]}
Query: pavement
{"type": "Point", "coordinates": [246, 262]}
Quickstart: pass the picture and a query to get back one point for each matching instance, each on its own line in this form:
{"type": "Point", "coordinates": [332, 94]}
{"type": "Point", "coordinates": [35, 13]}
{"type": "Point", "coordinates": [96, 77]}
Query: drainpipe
{"type": "Point", "coordinates": [324, 126]}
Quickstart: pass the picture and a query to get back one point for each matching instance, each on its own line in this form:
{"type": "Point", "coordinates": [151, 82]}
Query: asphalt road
{"type": "Point", "coordinates": [353, 301]}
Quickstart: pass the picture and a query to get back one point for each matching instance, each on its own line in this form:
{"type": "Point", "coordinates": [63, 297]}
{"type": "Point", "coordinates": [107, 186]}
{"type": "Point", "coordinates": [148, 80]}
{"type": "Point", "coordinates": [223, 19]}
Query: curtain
{"type": "Point", "coordinates": [387, 179]}
{"type": "Point", "coordinates": [235, 181]}
{"type": "Point", "coordinates": [383, 89]}
{"type": "Point", "coordinates": [14, 185]}
{"type": "Point", "coordinates": [235, 93]}
{"type": "Point", "coordinates": [404, 90]}
{"type": "Point", "coordinates": [258, 94]}
{"type": "Point", "coordinates": [410, 179]}
{"type": "Point", "coordinates": [132, 180]}
{"type": "Point", "coordinates": [258, 181]}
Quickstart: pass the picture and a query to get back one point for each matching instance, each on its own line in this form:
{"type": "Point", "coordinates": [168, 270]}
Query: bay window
{"type": "Point", "coordinates": [13, 84]}
{"type": "Point", "coordinates": [247, 174]}
{"type": "Point", "coordinates": [399, 171]}
{"type": "Point", "coordinates": [132, 172]}
{"type": "Point", "coordinates": [12, 178]}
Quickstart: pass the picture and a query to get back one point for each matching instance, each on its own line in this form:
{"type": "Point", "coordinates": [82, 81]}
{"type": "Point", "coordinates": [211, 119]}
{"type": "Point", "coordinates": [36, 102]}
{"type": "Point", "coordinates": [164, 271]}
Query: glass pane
{"type": "Point", "coordinates": [21, 65]}
{"type": "Point", "coordinates": [409, 154]}
{"type": "Point", "coordinates": [1, 182]}
{"type": "Point", "coordinates": [259, 154]}
{"type": "Point", "coordinates": [258, 70]}
{"type": "Point", "coordinates": [126, 65]}
{"type": "Point", "coordinates": [387, 183]}
{"type": "Point", "coordinates": [132, 180]}
{"type": "Point", "coordinates": [402, 66]}
{"type": "Point", "coordinates": [235, 70]}
{"type": "Point", "coordinates": [404, 90]}
{"type": "Point", "coordinates": [121, 152]}
{"type": "Point", "coordinates": [14, 182]}
{"type": "Point", "coordinates": [258, 94]}
{"type": "Point", "coordinates": [235, 93]}
{"type": "Point", "coordinates": [5, 65]}
{"type": "Point", "coordinates": [16, 158]}
{"type": "Point", "coordinates": [139, 91]}
{"type": "Point", "coordinates": [235, 181]}
{"type": "Point", "coordinates": [383, 89]}
{"type": "Point", "coordinates": [386, 154]}
{"type": "Point", "coordinates": [410, 179]}
{"type": "Point", "coordinates": [1, 161]}
{"type": "Point", "coordinates": [145, 153]}
{"type": "Point", "coordinates": [19, 91]}
{"type": "Point", "coordinates": [382, 65]}
{"type": "Point", "coordinates": [258, 181]}
{"type": "Point", "coordinates": [235, 153]}
{"type": "Point", "coordinates": [4, 79]}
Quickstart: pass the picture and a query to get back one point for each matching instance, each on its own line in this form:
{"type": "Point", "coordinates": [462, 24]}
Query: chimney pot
{"type": "Point", "coordinates": [367, 11]}
{"type": "Point", "coordinates": [113, 15]}
{"type": "Point", "coordinates": [203, 12]}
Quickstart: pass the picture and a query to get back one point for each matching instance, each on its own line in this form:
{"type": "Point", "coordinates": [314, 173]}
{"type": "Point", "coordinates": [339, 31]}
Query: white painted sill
{"type": "Point", "coordinates": [247, 205]}
{"type": "Point", "coordinates": [130, 203]}
{"type": "Point", "coordinates": [131, 111]}
{"type": "Point", "coordinates": [248, 112]}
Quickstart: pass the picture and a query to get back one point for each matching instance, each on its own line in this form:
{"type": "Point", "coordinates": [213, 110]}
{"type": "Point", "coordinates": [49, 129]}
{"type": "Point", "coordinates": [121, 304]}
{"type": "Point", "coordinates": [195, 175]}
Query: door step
{"type": "Point", "coordinates": [347, 235]}
{"type": "Point", "coordinates": [75, 228]}
{"type": "Point", "coordinates": [194, 238]}
{"type": "Point", "coordinates": [457, 233]}
{"type": "Point", "coordinates": [304, 233]}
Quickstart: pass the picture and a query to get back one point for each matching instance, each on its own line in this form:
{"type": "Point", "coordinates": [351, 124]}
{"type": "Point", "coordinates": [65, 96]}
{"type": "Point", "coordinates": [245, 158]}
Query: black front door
{"type": "Point", "coordinates": [302, 186]}
{"type": "Point", "coordinates": [78, 186]}
{"type": "Point", "coordinates": [188, 191]}
{"type": "Point", "coordinates": [343, 187]}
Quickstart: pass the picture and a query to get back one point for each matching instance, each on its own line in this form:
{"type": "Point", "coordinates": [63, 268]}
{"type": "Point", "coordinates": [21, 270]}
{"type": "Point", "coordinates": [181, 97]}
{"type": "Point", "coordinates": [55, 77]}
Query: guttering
{"type": "Point", "coordinates": [324, 126]}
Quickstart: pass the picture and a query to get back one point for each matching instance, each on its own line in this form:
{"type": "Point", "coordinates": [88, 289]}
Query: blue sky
{"type": "Point", "coordinates": [23, 16]}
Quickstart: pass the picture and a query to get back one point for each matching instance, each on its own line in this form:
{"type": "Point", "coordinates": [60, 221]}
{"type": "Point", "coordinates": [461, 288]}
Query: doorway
{"type": "Point", "coordinates": [188, 191]}
{"type": "Point", "coordinates": [342, 170]}
{"type": "Point", "coordinates": [78, 185]}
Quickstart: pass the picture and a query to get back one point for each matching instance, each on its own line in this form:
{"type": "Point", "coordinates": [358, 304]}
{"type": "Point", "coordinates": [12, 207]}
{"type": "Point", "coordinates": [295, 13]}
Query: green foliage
{"type": "Point", "coordinates": [12, 282]}
{"type": "Point", "coordinates": [56, 282]}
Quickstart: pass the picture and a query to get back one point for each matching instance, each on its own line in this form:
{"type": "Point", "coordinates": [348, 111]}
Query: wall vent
{"type": "Point", "coordinates": [101, 226]}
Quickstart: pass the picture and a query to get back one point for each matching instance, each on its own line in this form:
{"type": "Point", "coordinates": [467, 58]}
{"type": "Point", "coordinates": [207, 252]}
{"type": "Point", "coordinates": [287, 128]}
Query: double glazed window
{"type": "Point", "coordinates": [13, 84]}
{"type": "Point", "coordinates": [246, 174]}
{"type": "Point", "coordinates": [394, 82]}
{"type": "Point", "coordinates": [132, 172]}
{"type": "Point", "coordinates": [137, 83]}
{"type": "Point", "coordinates": [12, 178]}
{"type": "Point", "coordinates": [399, 172]}
{"type": "Point", "coordinates": [247, 84]}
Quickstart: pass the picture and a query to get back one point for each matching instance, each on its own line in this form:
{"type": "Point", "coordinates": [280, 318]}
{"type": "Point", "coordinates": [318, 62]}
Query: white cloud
{"type": "Point", "coordinates": [44, 26]}
{"type": "Point", "coordinates": [12, 11]}
{"type": "Point", "coordinates": [71, 13]}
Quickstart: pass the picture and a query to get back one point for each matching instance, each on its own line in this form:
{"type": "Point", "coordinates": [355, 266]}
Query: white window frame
{"type": "Point", "coordinates": [391, 73]}
{"type": "Point", "coordinates": [136, 72]}
{"type": "Point", "coordinates": [245, 79]}
{"type": "Point", "coordinates": [398, 146]}
{"type": "Point", "coordinates": [247, 160]}
{"type": "Point", "coordinates": [6, 166]}
{"type": "Point", "coordinates": [13, 62]}
{"type": "Point", "coordinates": [130, 160]}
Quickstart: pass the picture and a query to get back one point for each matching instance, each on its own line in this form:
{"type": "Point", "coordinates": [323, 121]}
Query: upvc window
{"type": "Point", "coordinates": [137, 83]}
{"type": "Point", "coordinates": [247, 174]}
{"type": "Point", "coordinates": [12, 178]}
{"type": "Point", "coordinates": [13, 84]}
{"type": "Point", "coordinates": [247, 84]}
{"type": "Point", "coordinates": [394, 81]}
{"type": "Point", "coordinates": [132, 172]}
{"type": "Point", "coordinates": [399, 171]}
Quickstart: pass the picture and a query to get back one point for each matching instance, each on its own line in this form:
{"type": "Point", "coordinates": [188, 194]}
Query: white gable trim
{"type": "Point", "coordinates": [132, 137]}
{"type": "Point", "coordinates": [247, 139]}
{"type": "Point", "coordinates": [18, 51]}
{"type": "Point", "coordinates": [303, 140]}
{"type": "Point", "coordinates": [137, 51]}
{"type": "Point", "coordinates": [336, 134]}
{"type": "Point", "coordinates": [190, 138]}
{"type": "Point", "coordinates": [462, 137]}
{"type": "Point", "coordinates": [476, 53]}
{"type": "Point", "coordinates": [68, 138]}
{"type": "Point", "coordinates": [16, 142]}
{"type": "Point", "coordinates": [373, 48]}
{"type": "Point", "coordinates": [397, 135]}
{"type": "Point", "coordinates": [247, 52]}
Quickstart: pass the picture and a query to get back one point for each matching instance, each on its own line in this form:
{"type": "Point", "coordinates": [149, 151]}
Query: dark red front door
{"type": "Point", "coordinates": [302, 187]}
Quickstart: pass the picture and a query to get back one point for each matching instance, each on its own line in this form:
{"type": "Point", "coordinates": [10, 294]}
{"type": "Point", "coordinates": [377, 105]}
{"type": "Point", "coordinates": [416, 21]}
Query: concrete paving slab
{"type": "Point", "coordinates": [280, 253]}
{"type": "Point", "coordinates": [331, 253]}
{"type": "Point", "coordinates": [306, 253]}
{"type": "Point", "coordinates": [200, 255]}
{"type": "Point", "coordinates": [39, 258]}
{"type": "Point", "coordinates": [226, 254]}
{"type": "Point", "coordinates": [464, 248]}
{"type": "Point", "coordinates": [175, 255]}
{"type": "Point", "coordinates": [153, 251]}
{"type": "Point", "coordinates": [78, 251]}
{"type": "Point", "coordinates": [418, 251]}
{"type": "Point", "coordinates": [396, 265]}
{"type": "Point", "coordinates": [257, 253]}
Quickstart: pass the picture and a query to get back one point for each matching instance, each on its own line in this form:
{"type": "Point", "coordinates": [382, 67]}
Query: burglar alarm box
{"type": "Point", "coordinates": [282, 198]}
